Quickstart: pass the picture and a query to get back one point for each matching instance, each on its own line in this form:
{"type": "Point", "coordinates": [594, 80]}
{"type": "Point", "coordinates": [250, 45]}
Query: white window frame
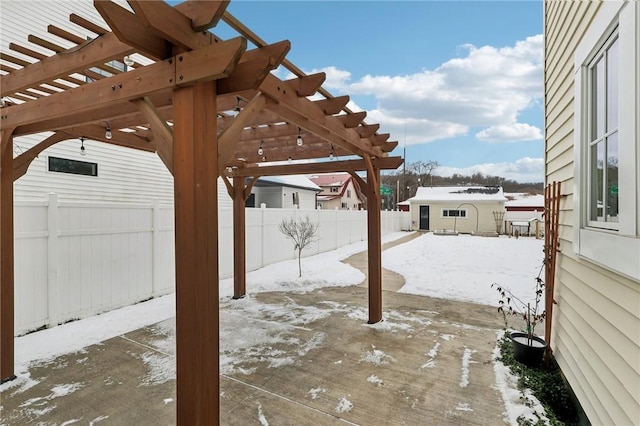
{"type": "Point", "coordinates": [463, 213]}
{"type": "Point", "coordinates": [616, 247]}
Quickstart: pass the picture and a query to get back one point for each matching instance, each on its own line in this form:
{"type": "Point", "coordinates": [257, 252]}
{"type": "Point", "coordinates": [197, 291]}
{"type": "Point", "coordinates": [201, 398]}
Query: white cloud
{"type": "Point", "coordinates": [488, 87]}
{"type": "Point", "coordinates": [510, 133]}
{"type": "Point", "coordinates": [523, 170]}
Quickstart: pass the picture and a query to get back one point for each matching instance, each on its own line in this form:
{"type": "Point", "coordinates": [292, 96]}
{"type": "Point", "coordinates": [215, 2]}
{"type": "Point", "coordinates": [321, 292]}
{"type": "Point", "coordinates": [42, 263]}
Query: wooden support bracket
{"type": "Point", "coordinates": [162, 133]}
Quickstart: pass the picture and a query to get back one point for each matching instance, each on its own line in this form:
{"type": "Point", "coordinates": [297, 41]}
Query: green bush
{"type": "Point", "coordinates": [546, 385]}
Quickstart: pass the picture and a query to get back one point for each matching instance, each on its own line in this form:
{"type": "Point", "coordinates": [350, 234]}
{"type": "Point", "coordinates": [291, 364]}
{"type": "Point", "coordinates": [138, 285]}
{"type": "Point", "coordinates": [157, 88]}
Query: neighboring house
{"type": "Point", "coordinates": [339, 191]}
{"type": "Point", "coordinates": [592, 98]}
{"type": "Point", "coordinates": [523, 211]}
{"type": "Point", "coordinates": [468, 209]}
{"type": "Point", "coordinates": [284, 192]}
{"type": "Point", "coordinates": [403, 206]}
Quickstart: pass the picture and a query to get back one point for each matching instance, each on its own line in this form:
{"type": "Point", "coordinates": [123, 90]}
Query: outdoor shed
{"type": "Point", "coordinates": [467, 209]}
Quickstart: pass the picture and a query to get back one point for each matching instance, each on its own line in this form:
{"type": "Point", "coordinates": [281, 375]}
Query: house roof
{"type": "Point", "coordinates": [459, 193]}
{"type": "Point", "coordinates": [525, 200]}
{"type": "Point", "coordinates": [293, 181]}
{"type": "Point", "coordinates": [330, 179]}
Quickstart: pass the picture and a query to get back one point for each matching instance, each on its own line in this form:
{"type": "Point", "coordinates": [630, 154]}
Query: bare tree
{"type": "Point", "coordinates": [302, 232]}
{"type": "Point", "coordinates": [424, 170]}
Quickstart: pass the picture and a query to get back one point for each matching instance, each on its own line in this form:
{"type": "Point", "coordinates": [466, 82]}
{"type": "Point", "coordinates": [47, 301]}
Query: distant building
{"type": "Point", "coordinates": [284, 192]}
{"type": "Point", "coordinates": [522, 212]}
{"type": "Point", "coordinates": [468, 209]}
{"type": "Point", "coordinates": [339, 191]}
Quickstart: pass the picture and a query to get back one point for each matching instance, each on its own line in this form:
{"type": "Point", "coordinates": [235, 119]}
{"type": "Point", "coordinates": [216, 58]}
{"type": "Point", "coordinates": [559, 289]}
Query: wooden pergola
{"type": "Point", "coordinates": [204, 105]}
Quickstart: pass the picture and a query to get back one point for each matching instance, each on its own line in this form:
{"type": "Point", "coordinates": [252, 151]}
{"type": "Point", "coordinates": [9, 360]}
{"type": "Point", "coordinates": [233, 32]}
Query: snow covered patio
{"type": "Point", "coordinates": [301, 355]}
{"type": "Point", "coordinates": [304, 358]}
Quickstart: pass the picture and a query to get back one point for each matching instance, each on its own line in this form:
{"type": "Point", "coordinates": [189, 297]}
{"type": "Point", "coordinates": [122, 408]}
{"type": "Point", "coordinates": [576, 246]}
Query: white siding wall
{"type": "Point", "coordinates": [596, 328]}
{"type": "Point", "coordinates": [479, 218]}
{"type": "Point", "coordinates": [78, 259]}
{"type": "Point", "coordinates": [269, 195]}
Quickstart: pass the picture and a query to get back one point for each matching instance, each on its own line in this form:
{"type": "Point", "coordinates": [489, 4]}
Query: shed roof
{"type": "Point", "coordinates": [526, 200]}
{"type": "Point", "coordinates": [459, 193]}
{"type": "Point", "coordinates": [293, 181]}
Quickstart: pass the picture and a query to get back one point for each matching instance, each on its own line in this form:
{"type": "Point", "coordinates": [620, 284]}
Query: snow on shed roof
{"type": "Point", "coordinates": [525, 200]}
{"type": "Point", "coordinates": [295, 181]}
{"type": "Point", "coordinates": [459, 193]}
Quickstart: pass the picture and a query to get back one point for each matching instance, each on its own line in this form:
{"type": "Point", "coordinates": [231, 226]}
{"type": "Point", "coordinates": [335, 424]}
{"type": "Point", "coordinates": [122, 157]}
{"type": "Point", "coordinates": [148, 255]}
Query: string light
{"type": "Point", "coordinates": [260, 150]}
{"type": "Point", "coordinates": [82, 150]}
{"type": "Point", "coordinates": [332, 154]}
{"type": "Point", "coordinates": [237, 108]}
{"type": "Point", "coordinates": [299, 141]}
{"type": "Point", "coordinates": [107, 133]}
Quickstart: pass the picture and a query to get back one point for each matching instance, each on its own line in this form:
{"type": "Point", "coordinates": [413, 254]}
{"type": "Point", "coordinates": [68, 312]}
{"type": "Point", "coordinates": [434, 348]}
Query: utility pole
{"type": "Point", "coordinates": [404, 166]}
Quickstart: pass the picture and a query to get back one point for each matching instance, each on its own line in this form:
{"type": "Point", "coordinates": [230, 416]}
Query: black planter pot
{"type": "Point", "coordinates": [528, 354]}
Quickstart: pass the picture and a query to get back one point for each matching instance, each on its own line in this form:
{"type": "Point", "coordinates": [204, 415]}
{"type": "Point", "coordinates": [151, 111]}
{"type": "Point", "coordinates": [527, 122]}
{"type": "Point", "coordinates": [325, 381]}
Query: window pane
{"type": "Point", "coordinates": [612, 178]}
{"type": "Point", "coordinates": [599, 105]}
{"type": "Point", "coordinates": [597, 171]}
{"type": "Point", "coordinates": [612, 87]}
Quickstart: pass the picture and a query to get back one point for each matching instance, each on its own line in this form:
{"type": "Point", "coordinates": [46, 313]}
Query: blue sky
{"type": "Point", "coordinates": [460, 82]}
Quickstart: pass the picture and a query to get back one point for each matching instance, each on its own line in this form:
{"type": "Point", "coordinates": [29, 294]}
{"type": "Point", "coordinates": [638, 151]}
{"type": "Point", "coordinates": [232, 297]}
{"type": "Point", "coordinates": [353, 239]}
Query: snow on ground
{"type": "Point", "coordinates": [316, 272]}
{"type": "Point", "coordinates": [516, 405]}
{"type": "Point", "coordinates": [466, 361]}
{"type": "Point", "coordinates": [460, 268]}
{"type": "Point", "coordinates": [463, 267]}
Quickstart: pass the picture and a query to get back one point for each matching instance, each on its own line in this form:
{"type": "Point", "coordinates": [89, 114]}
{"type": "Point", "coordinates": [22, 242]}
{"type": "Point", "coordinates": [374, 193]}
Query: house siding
{"type": "Point", "coordinates": [485, 223]}
{"type": "Point", "coordinates": [596, 322]}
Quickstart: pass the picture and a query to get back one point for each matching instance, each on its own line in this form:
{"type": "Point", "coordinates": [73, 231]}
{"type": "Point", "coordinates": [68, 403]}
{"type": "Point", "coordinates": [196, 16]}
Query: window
{"type": "Point", "coordinates": [64, 165]}
{"type": "Point", "coordinates": [348, 193]}
{"type": "Point", "coordinates": [344, 205]}
{"type": "Point", "coordinates": [454, 212]}
{"type": "Point", "coordinates": [602, 135]}
{"type": "Point", "coordinates": [296, 198]}
{"type": "Point", "coordinates": [607, 140]}
{"type": "Point", "coordinates": [334, 189]}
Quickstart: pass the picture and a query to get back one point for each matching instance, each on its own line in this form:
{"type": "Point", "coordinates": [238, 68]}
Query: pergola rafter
{"type": "Point", "coordinates": [204, 105]}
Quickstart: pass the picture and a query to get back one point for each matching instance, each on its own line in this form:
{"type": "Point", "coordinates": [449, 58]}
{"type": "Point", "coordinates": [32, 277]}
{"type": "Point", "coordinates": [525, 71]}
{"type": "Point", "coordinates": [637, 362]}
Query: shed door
{"type": "Point", "coordinates": [424, 217]}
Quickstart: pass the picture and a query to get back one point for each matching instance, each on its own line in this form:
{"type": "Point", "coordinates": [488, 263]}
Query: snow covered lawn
{"type": "Point", "coordinates": [463, 267]}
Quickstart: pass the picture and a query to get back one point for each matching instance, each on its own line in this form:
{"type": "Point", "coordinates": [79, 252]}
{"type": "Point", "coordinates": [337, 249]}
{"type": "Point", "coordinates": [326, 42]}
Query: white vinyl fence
{"type": "Point", "coordinates": [73, 260]}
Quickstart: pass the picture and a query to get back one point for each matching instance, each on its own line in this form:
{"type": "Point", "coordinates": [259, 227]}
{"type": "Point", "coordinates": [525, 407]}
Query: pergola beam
{"type": "Point", "coordinates": [128, 29]}
{"type": "Point", "coordinates": [388, 163]}
{"type": "Point", "coordinates": [162, 133]}
{"type": "Point", "coordinates": [203, 14]}
{"type": "Point", "coordinates": [230, 135]}
{"type": "Point", "coordinates": [168, 23]}
{"type": "Point", "coordinates": [208, 63]}
{"type": "Point", "coordinates": [60, 66]}
{"type": "Point", "coordinates": [308, 84]}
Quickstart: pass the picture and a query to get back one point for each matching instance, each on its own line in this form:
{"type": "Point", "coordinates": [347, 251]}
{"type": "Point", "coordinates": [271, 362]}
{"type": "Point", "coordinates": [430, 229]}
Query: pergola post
{"type": "Point", "coordinates": [6, 258]}
{"type": "Point", "coordinates": [195, 165]}
{"type": "Point", "coordinates": [239, 239]}
{"type": "Point", "coordinates": [374, 243]}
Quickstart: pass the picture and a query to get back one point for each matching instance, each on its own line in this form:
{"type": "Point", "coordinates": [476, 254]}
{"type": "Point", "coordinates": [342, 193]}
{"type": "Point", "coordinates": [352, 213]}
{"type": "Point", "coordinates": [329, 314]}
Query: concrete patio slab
{"type": "Point", "coordinates": [288, 359]}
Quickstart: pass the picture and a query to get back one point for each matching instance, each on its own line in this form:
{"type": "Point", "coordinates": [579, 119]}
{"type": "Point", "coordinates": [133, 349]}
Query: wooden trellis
{"type": "Point", "coordinates": [552, 197]}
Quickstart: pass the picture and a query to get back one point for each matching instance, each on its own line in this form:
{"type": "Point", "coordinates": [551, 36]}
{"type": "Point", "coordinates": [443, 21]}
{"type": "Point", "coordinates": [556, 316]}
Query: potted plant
{"type": "Point", "coordinates": [527, 346]}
